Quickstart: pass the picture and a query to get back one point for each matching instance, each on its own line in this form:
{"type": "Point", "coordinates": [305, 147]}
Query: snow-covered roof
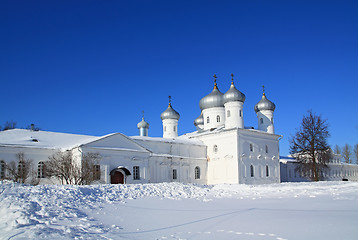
{"type": "Point", "coordinates": [43, 139]}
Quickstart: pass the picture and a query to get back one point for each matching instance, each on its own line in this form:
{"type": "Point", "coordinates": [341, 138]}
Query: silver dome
{"type": "Point", "coordinates": [199, 120]}
{"type": "Point", "coordinates": [264, 104]}
{"type": "Point", "coordinates": [170, 113]}
{"type": "Point", "coordinates": [214, 99]}
{"type": "Point", "coordinates": [143, 124]}
{"type": "Point", "coordinates": [233, 95]}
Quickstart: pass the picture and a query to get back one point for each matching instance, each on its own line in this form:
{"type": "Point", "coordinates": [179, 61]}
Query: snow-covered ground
{"type": "Point", "coordinates": [324, 210]}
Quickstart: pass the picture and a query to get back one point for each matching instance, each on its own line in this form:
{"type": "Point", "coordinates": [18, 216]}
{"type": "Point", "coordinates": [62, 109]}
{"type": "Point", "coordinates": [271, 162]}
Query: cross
{"type": "Point", "coordinates": [143, 114]}
{"type": "Point", "coordinates": [215, 78]}
{"type": "Point", "coordinates": [232, 78]}
{"type": "Point", "coordinates": [263, 89]}
{"type": "Point", "coordinates": [170, 100]}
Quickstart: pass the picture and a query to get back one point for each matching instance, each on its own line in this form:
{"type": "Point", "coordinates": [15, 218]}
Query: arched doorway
{"type": "Point", "coordinates": [117, 178]}
{"type": "Point", "coordinates": [119, 175]}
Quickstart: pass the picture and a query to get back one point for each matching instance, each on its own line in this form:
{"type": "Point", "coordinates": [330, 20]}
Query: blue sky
{"type": "Point", "coordinates": [91, 67]}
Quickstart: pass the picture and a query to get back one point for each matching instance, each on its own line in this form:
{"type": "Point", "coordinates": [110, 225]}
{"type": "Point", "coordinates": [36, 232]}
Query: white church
{"type": "Point", "coordinates": [221, 150]}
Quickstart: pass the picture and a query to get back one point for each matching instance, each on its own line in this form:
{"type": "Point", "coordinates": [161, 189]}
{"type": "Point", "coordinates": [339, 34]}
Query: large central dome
{"type": "Point", "coordinates": [214, 99]}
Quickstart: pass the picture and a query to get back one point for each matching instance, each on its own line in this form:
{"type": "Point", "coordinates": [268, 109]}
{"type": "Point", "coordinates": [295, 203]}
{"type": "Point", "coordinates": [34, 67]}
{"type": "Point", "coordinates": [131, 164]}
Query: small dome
{"type": "Point", "coordinates": [199, 120]}
{"type": "Point", "coordinates": [143, 124]}
{"type": "Point", "coordinates": [170, 113]}
{"type": "Point", "coordinates": [214, 99]}
{"type": "Point", "coordinates": [233, 95]}
{"type": "Point", "coordinates": [264, 104]}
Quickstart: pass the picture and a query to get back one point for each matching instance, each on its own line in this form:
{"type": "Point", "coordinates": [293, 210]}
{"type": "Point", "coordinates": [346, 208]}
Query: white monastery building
{"type": "Point", "coordinates": [221, 150]}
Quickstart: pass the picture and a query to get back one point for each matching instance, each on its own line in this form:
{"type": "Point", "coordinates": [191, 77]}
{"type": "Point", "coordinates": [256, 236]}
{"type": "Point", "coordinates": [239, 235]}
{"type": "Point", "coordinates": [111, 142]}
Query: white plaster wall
{"type": "Point", "coordinates": [212, 113]}
{"type": "Point", "coordinates": [8, 154]}
{"type": "Point", "coordinates": [170, 128]}
{"type": "Point", "coordinates": [258, 158]}
{"type": "Point", "coordinates": [267, 117]}
{"type": "Point", "coordinates": [223, 164]}
{"type": "Point", "coordinates": [235, 120]}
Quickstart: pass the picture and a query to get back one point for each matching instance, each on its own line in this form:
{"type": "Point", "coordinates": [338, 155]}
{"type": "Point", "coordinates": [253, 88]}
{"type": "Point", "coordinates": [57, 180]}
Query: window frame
{"type": "Point", "coordinates": [136, 173]}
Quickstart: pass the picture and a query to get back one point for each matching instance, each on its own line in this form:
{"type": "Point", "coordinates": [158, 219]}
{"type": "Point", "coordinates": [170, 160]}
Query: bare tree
{"type": "Point", "coordinates": [310, 148]}
{"type": "Point", "coordinates": [65, 168]}
{"type": "Point", "coordinates": [347, 153]}
{"type": "Point", "coordinates": [355, 150]}
{"type": "Point", "coordinates": [337, 149]}
{"type": "Point", "coordinates": [9, 125]}
{"type": "Point", "coordinates": [20, 170]}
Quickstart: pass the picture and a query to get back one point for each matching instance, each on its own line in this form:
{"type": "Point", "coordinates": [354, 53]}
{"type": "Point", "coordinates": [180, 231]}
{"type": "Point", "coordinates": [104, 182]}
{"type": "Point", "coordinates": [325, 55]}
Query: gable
{"type": "Point", "coordinates": [116, 141]}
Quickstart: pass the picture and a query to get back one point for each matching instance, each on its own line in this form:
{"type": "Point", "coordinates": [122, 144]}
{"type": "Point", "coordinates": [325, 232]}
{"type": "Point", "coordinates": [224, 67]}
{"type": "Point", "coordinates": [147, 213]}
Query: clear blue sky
{"type": "Point", "coordinates": [91, 67]}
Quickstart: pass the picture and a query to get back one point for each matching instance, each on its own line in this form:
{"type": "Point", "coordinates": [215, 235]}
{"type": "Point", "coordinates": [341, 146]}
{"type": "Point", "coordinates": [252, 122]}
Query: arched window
{"type": "Point", "coordinates": [21, 168]}
{"type": "Point", "coordinates": [217, 118]}
{"type": "Point", "coordinates": [266, 149]}
{"type": "Point", "coordinates": [174, 128]}
{"type": "Point", "coordinates": [252, 171]}
{"type": "Point", "coordinates": [261, 120]}
{"type": "Point", "coordinates": [197, 173]}
{"type": "Point", "coordinates": [175, 174]}
{"type": "Point", "coordinates": [41, 170]}
{"type": "Point", "coordinates": [228, 113]}
{"type": "Point", "coordinates": [240, 113]}
{"type": "Point", "coordinates": [165, 128]}
{"type": "Point", "coordinates": [207, 119]}
{"type": "Point", "coordinates": [2, 169]}
{"type": "Point", "coordinates": [251, 148]}
{"type": "Point", "coordinates": [215, 148]}
{"type": "Point", "coordinates": [267, 171]}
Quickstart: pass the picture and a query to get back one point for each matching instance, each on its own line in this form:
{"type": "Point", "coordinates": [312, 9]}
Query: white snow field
{"type": "Point", "coordinates": [323, 210]}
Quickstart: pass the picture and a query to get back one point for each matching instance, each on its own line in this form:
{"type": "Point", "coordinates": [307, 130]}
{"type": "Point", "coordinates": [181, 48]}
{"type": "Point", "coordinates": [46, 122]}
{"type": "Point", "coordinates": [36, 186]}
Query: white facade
{"type": "Point", "coordinates": [222, 150]}
{"type": "Point", "coordinates": [336, 171]}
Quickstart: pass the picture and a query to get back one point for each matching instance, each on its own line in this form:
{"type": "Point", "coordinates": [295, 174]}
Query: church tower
{"type": "Point", "coordinates": [143, 127]}
{"type": "Point", "coordinates": [264, 110]}
{"type": "Point", "coordinates": [170, 119]}
{"type": "Point", "coordinates": [233, 102]}
{"type": "Point", "coordinates": [212, 107]}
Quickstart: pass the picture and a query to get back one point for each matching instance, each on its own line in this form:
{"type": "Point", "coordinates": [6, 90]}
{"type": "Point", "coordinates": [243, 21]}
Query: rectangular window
{"type": "Point", "coordinates": [175, 174]}
{"type": "Point", "coordinates": [136, 173]}
{"type": "Point", "coordinates": [96, 172]}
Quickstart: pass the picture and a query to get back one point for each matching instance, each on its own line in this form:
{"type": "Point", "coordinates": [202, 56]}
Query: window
{"type": "Point", "coordinates": [136, 173]}
{"type": "Point", "coordinates": [41, 170]}
{"type": "Point", "coordinates": [2, 169]}
{"type": "Point", "coordinates": [251, 148]}
{"type": "Point", "coordinates": [175, 174]}
{"type": "Point", "coordinates": [252, 171]}
{"type": "Point", "coordinates": [266, 149]}
{"type": "Point", "coordinates": [217, 118]}
{"type": "Point", "coordinates": [267, 171]}
{"type": "Point", "coordinates": [215, 148]}
{"type": "Point", "coordinates": [197, 173]}
{"type": "Point", "coordinates": [207, 120]}
{"type": "Point", "coordinates": [174, 128]}
{"type": "Point", "coordinates": [228, 113]}
{"type": "Point", "coordinates": [240, 113]}
{"type": "Point", "coordinates": [165, 128]}
{"type": "Point", "coordinates": [261, 120]}
{"type": "Point", "coordinates": [96, 172]}
{"type": "Point", "coordinates": [21, 168]}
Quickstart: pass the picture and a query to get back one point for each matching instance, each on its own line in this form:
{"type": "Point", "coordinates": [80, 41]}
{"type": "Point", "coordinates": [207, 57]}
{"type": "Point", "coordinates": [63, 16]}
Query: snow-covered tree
{"type": "Point", "coordinates": [310, 147]}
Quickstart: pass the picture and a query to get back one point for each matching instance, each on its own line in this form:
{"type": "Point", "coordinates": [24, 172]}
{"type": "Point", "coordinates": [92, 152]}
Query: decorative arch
{"type": "Point", "coordinates": [119, 175]}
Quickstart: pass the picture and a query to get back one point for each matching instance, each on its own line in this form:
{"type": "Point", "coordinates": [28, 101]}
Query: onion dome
{"type": "Point", "coordinates": [233, 95]}
{"type": "Point", "coordinates": [264, 104]}
{"type": "Point", "coordinates": [214, 99]}
{"type": "Point", "coordinates": [143, 124]}
{"type": "Point", "coordinates": [170, 113]}
{"type": "Point", "coordinates": [199, 120]}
